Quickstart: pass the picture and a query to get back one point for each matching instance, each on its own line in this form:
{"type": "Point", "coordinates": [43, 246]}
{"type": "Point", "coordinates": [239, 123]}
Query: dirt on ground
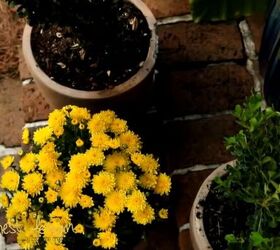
{"type": "Point", "coordinates": [10, 38]}
{"type": "Point", "coordinates": [11, 114]}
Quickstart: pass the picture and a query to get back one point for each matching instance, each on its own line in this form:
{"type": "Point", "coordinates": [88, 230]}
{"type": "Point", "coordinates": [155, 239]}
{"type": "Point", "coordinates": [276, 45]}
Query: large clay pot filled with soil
{"type": "Point", "coordinates": [125, 92]}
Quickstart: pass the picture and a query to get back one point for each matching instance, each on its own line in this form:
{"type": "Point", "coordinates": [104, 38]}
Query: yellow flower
{"type": "Point", "coordinates": [104, 219]}
{"type": "Point", "coordinates": [55, 178]}
{"type": "Point", "coordinates": [11, 213]}
{"type": "Point", "coordinates": [10, 180]}
{"type": "Point", "coordinates": [145, 216]}
{"type": "Point", "coordinates": [79, 174]}
{"type": "Point", "coordinates": [40, 224]}
{"type": "Point", "coordinates": [108, 116]}
{"type": "Point", "coordinates": [54, 231]}
{"type": "Point", "coordinates": [130, 141]}
{"type": "Point", "coordinates": [86, 201]}
{"type": "Point", "coordinates": [115, 160]}
{"type": "Point", "coordinates": [79, 179]}
{"type": "Point", "coordinates": [119, 126]}
{"type": "Point", "coordinates": [149, 164]}
{"type": "Point", "coordinates": [48, 158]}
{"type": "Point", "coordinates": [96, 242]}
{"type": "Point", "coordinates": [146, 162]}
{"type": "Point", "coordinates": [28, 237]}
{"type": "Point", "coordinates": [42, 135]}
{"type": "Point", "coordinates": [163, 185]}
{"type": "Point", "coordinates": [33, 183]}
{"type": "Point", "coordinates": [125, 180]}
{"type": "Point", "coordinates": [79, 142]}
{"type": "Point", "coordinates": [163, 213]}
{"type": "Point", "coordinates": [101, 122]}
{"type": "Point", "coordinates": [20, 201]}
{"type": "Point", "coordinates": [114, 143]}
{"type": "Point", "coordinates": [79, 114]}
{"type": "Point", "coordinates": [49, 147]}
{"type": "Point", "coordinates": [7, 161]}
{"type": "Point", "coordinates": [94, 156]}
{"type": "Point", "coordinates": [115, 201]}
{"type": "Point", "coordinates": [28, 162]}
{"type": "Point", "coordinates": [103, 183]}
{"type": "Point", "coordinates": [78, 163]}
{"type": "Point", "coordinates": [137, 158]}
{"type": "Point", "coordinates": [148, 180]}
{"type": "Point", "coordinates": [108, 239]}
{"type": "Point", "coordinates": [51, 195]}
{"type": "Point", "coordinates": [79, 229]}
{"type": "Point", "coordinates": [70, 194]}
{"type": "Point", "coordinates": [61, 216]}
{"type": "Point", "coordinates": [96, 125]}
{"type": "Point", "coordinates": [4, 200]}
{"type": "Point", "coordinates": [52, 245]}
{"type": "Point", "coordinates": [25, 136]}
{"type": "Point", "coordinates": [136, 201]}
{"type": "Point", "coordinates": [100, 140]}
{"type": "Point", "coordinates": [56, 122]}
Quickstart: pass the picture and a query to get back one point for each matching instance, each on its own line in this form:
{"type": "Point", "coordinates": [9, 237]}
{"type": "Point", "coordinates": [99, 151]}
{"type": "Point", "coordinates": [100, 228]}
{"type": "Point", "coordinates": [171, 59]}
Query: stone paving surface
{"type": "Point", "coordinates": [12, 116]}
{"type": "Point", "coordinates": [202, 71]}
{"type": "Point", "coordinates": [203, 89]}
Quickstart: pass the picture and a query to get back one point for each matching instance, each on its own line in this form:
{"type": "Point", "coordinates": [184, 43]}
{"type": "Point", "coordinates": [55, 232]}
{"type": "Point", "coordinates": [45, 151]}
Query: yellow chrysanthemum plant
{"type": "Point", "coordinates": [83, 181]}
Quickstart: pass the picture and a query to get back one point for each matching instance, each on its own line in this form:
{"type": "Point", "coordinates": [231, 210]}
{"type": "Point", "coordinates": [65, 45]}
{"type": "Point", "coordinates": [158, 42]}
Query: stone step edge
{"type": "Point", "coordinates": [195, 168]}
{"type": "Point", "coordinates": [194, 117]}
{"type": "Point", "coordinates": [174, 19]}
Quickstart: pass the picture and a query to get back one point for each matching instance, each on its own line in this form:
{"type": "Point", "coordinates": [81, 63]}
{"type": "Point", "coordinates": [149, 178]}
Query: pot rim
{"type": "Point", "coordinates": [197, 232]}
{"type": "Point", "coordinates": [132, 82]}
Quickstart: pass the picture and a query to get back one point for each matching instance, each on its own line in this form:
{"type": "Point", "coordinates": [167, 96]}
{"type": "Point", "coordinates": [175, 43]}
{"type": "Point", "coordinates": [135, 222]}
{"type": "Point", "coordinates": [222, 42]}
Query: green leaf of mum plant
{"type": "Point", "coordinates": [218, 10]}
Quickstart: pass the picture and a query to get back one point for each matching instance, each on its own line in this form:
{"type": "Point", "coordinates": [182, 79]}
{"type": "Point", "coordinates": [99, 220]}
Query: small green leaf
{"type": "Point", "coordinates": [253, 123]}
{"type": "Point", "coordinates": [230, 238]}
{"type": "Point", "coordinates": [256, 239]}
{"type": "Point", "coordinates": [237, 110]}
{"type": "Point", "coordinates": [269, 162]}
{"type": "Point", "coordinates": [275, 196]}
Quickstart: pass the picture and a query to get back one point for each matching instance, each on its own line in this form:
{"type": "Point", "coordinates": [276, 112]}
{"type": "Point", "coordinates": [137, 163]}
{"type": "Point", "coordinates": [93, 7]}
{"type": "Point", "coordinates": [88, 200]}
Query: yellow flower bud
{"type": "Point", "coordinates": [79, 143]}
{"type": "Point", "coordinates": [81, 126]}
{"type": "Point", "coordinates": [96, 242]}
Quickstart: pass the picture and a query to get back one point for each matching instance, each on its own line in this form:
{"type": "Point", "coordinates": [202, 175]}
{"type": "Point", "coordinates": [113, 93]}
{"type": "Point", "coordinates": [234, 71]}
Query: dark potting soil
{"type": "Point", "coordinates": [222, 217]}
{"type": "Point", "coordinates": [99, 56]}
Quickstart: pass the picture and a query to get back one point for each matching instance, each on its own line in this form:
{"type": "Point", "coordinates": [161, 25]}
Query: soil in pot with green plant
{"type": "Point", "coordinates": [222, 217]}
{"type": "Point", "coordinates": [242, 210]}
{"type": "Point", "coordinates": [104, 49]}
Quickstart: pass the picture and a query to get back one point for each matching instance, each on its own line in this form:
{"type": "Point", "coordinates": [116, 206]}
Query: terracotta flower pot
{"type": "Point", "coordinates": [198, 236]}
{"type": "Point", "coordinates": [128, 94]}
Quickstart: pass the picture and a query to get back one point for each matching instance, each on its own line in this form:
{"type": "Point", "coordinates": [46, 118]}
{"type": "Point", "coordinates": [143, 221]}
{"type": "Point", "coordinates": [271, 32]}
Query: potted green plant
{"type": "Point", "coordinates": [83, 183]}
{"type": "Point", "coordinates": [96, 53]}
{"type": "Point", "coordinates": [238, 206]}
{"type": "Point", "coordinates": [203, 10]}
